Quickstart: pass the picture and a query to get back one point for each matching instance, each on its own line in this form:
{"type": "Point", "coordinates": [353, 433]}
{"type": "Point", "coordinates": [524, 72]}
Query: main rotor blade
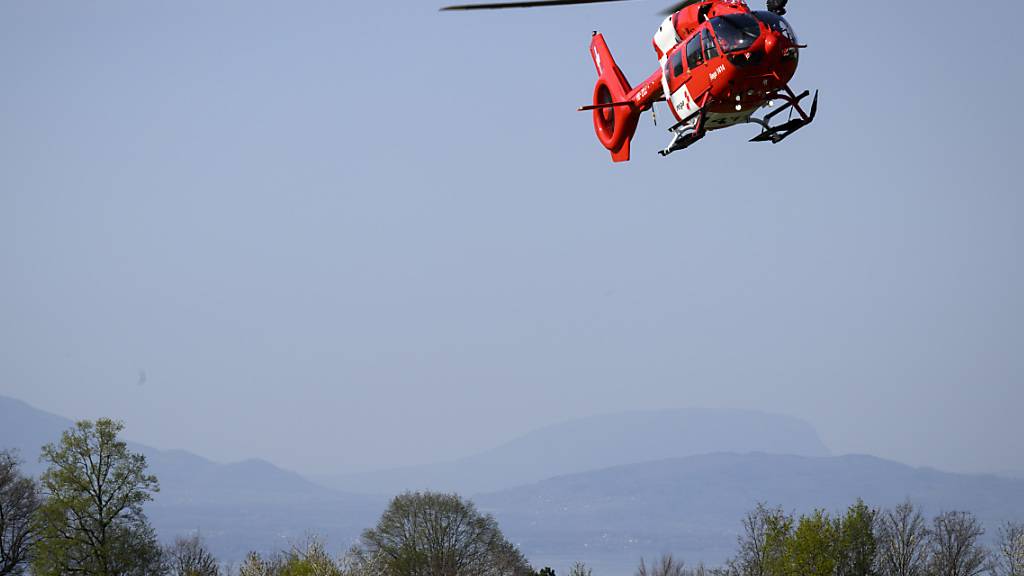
{"type": "Point", "coordinates": [678, 6]}
{"type": "Point", "coordinates": [525, 4]}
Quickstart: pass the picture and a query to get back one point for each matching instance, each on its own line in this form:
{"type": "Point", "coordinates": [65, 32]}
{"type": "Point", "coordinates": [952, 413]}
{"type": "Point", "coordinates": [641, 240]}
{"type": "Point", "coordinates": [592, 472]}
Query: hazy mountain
{"type": "Point", "coordinates": [693, 506]}
{"type": "Point", "coordinates": [597, 442]}
{"type": "Point", "coordinates": [237, 507]}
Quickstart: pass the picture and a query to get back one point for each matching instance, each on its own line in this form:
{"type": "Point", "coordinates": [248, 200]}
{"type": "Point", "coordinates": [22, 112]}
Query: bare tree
{"type": "Point", "coordinates": [665, 566]}
{"type": "Point", "coordinates": [1009, 560]}
{"type": "Point", "coordinates": [189, 557]}
{"type": "Point", "coordinates": [19, 500]}
{"type": "Point", "coordinates": [358, 562]}
{"type": "Point", "coordinates": [902, 541]}
{"type": "Point", "coordinates": [954, 545]}
{"type": "Point", "coordinates": [762, 544]}
{"type": "Point", "coordinates": [580, 569]}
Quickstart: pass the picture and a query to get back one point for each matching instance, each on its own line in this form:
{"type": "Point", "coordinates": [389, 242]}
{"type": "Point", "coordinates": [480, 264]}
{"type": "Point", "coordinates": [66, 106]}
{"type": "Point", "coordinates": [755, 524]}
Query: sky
{"type": "Point", "coordinates": [343, 236]}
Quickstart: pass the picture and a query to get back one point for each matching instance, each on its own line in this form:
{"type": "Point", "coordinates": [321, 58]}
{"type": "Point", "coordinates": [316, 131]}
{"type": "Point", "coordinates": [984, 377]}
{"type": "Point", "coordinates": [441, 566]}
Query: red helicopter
{"type": "Point", "coordinates": [720, 63]}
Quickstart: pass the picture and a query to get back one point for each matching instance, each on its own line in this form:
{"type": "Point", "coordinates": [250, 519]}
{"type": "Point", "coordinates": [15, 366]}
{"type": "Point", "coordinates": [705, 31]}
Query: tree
{"type": "Point", "coordinates": [546, 571]}
{"type": "Point", "coordinates": [811, 550]}
{"type": "Point", "coordinates": [92, 520]}
{"type": "Point", "coordinates": [254, 565]}
{"type": "Point", "coordinates": [1009, 555]}
{"type": "Point", "coordinates": [580, 569]}
{"type": "Point", "coordinates": [310, 559]}
{"type": "Point", "coordinates": [666, 566]}
{"type": "Point", "coordinates": [902, 541]}
{"type": "Point", "coordinates": [431, 534]}
{"type": "Point", "coordinates": [857, 548]}
{"type": "Point", "coordinates": [762, 544]}
{"type": "Point", "coordinates": [19, 500]}
{"type": "Point", "coordinates": [954, 545]}
{"type": "Point", "coordinates": [358, 562]}
{"type": "Point", "coordinates": [189, 557]}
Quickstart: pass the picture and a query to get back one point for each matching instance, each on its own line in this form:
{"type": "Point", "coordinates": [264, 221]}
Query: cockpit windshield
{"type": "Point", "coordinates": [736, 31]}
{"type": "Point", "coordinates": [778, 24]}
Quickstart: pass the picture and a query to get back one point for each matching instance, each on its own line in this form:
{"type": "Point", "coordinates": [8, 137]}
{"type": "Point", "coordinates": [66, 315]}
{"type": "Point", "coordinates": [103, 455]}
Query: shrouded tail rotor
{"type": "Point", "coordinates": [615, 117]}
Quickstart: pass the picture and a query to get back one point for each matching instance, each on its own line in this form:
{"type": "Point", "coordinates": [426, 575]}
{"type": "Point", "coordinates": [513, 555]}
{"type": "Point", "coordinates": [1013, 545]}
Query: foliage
{"type": "Point", "coordinates": [546, 571]}
{"type": "Point", "coordinates": [857, 547]}
{"type": "Point", "coordinates": [811, 551]}
{"type": "Point", "coordinates": [435, 534]}
{"type": "Point", "coordinates": [92, 520]}
{"type": "Point", "coordinates": [19, 500]}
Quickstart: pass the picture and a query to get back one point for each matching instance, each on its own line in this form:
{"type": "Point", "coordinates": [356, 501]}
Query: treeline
{"type": "Point", "coordinates": [869, 542]}
{"type": "Point", "coordinates": [84, 516]}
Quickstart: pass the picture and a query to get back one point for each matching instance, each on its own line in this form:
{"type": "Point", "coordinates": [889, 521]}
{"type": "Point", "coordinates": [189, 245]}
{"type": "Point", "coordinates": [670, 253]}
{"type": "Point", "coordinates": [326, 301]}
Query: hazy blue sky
{"type": "Point", "coordinates": [341, 236]}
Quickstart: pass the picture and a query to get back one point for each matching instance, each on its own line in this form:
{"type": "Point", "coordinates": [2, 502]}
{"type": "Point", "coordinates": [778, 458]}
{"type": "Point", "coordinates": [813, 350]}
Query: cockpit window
{"type": "Point", "coordinates": [709, 45]}
{"type": "Point", "coordinates": [694, 55]}
{"type": "Point", "coordinates": [736, 31]}
{"type": "Point", "coordinates": [778, 24]}
{"type": "Point", "coordinates": [676, 62]}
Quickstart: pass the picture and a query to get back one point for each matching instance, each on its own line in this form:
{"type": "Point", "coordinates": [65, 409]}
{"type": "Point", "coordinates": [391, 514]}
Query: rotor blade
{"type": "Point", "coordinates": [524, 4]}
{"type": "Point", "coordinates": [678, 6]}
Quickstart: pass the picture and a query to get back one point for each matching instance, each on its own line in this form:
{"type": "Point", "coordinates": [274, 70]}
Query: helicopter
{"type": "Point", "coordinates": [720, 63]}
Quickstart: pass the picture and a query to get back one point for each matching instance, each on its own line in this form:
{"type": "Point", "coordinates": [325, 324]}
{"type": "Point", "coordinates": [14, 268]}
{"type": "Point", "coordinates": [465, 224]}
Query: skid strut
{"type": "Point", "coordinates": [780, 132]}
{"type": "Point", "coordinates": [689, 129]}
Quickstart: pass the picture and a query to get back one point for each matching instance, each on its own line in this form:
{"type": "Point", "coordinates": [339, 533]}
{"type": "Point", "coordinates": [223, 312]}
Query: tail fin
{"type": "Point", "coordinates": [615, 117]}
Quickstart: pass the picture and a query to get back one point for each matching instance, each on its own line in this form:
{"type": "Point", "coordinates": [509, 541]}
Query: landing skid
{"type": "Point", "coordinates": [780, 132]}
{"type": "Point", "coordinates": [686, 132]}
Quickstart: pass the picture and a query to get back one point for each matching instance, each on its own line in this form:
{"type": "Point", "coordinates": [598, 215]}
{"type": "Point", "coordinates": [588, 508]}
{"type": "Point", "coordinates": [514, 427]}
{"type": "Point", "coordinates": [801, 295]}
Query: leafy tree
{"type": "Point", "coordinates": [19, 500]}
{"type": "Point", "coordinates": [954, 545]}
{"type": "Point", "coordinates": [856, 548]}
{"type": "Point", "coordinates": [189, 557]}
{"type": "Point", "coordinates": [546, 571]}
{"type": "Point", "coordinates": [92, 521]}
{"type": "Point", "coordinates": [431, 534]}
{"type": "Point", "coordinates": [902, 540]}
{"type": "Point", "coordinates": [811, 549]}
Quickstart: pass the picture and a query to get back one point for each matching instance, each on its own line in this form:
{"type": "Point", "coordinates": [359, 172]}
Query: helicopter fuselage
{"type": "Point", "coordinates": [719, 63]}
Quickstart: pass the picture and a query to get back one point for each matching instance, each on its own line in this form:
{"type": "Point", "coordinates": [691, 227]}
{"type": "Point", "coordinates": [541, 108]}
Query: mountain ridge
{"type": "Point", "coordinates": [592, 443]}
{"type": "Point", "coordinates": [693, 506]}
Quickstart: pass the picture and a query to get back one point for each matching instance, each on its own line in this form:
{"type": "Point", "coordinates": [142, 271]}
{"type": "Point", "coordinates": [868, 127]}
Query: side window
{"type": "Point", "coordinates": [694, 56]}
{"type": "Point", "coordinates": [676, 63]}
{"type": "Point", "coordinates": [709, 45]}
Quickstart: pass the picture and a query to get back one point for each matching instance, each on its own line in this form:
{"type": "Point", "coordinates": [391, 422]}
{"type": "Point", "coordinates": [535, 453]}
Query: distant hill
{"type": "Point", "coordinates": [693, 506]}
{"type": "Point", "coordinates": [597, 442]}
{"type": "Point", "coordinates": [251, 505]}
